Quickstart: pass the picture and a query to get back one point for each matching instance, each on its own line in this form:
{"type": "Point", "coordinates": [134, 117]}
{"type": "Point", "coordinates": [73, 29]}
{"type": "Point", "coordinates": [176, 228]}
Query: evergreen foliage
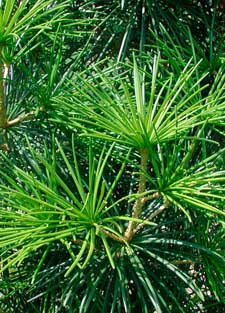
{"type": "Point", "coordinates": [112, 162]}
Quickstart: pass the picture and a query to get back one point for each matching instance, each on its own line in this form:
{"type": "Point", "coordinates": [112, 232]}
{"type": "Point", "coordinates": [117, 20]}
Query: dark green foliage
{"type": "Point", "coordinates": [112, 166]}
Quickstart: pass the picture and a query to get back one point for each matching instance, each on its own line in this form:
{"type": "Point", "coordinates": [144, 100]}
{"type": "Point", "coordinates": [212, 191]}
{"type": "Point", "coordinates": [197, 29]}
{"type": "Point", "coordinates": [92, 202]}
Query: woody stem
{"type": "Point", "coordinates": [139, 203]}
{"type": "Point", "coordinates": [3, 119]}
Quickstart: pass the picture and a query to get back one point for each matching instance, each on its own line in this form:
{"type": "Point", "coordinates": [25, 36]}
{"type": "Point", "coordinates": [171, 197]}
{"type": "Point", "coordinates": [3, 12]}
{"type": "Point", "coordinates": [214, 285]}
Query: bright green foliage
{"type": "Point", "coordinates": [112, 168]}
{"type": "Point", "coordinates": [17, 20]}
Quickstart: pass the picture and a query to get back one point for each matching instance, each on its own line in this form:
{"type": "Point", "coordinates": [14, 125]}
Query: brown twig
{"type": "Point", "coordinates": [3, 118]}
{"type": "Point", "coordinates": [112, 236]}
{"type": "Point", "coordinates": [183, 262]}
{"type": "Point", "coordinates": [153, 214]}
{"type": "Point", "coordinates": [23, 117]}
{"type": "Point", "coordinates": [151, 197]}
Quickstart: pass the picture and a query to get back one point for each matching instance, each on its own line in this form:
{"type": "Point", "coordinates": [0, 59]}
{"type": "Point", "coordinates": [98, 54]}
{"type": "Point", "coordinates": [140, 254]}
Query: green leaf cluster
{"type": "Point", "coordinates": [112, 167]}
